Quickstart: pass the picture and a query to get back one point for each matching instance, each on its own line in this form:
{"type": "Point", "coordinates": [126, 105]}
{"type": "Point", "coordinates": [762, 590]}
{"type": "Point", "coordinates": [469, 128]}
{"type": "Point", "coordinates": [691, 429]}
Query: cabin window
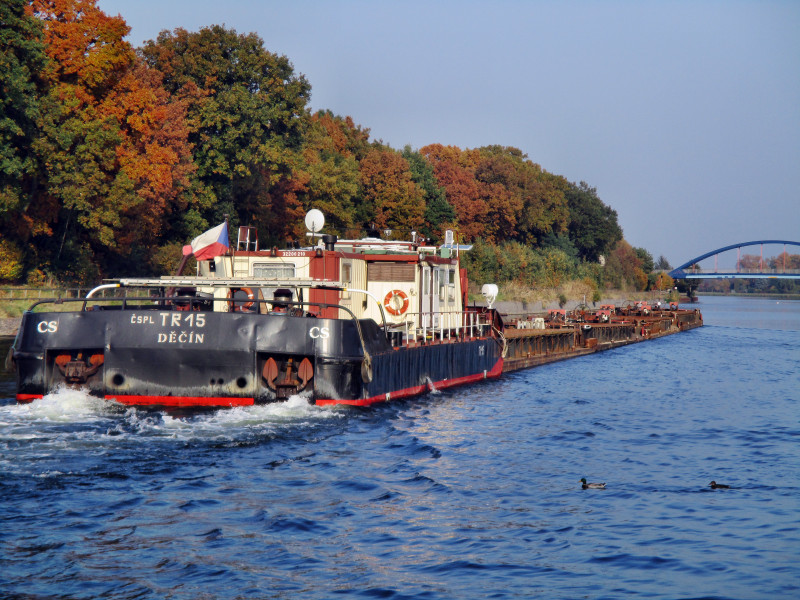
{"type": "Point", "coordinates": [451, 286]}
{"type": "Point", "coordinates": [347, 277]}
{"type": "Point", "coordinates": [274, 270]}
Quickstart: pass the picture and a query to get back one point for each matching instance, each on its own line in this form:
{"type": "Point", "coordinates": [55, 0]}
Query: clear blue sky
{"type": "Point", "coordinates": [685, 115]}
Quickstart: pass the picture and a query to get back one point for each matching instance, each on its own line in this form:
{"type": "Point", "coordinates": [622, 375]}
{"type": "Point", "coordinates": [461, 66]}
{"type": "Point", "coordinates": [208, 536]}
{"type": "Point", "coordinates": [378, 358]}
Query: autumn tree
{"type": "Point", "coordinates": [785, 261]}
{"type": "Point", "coordinates": [532, 205]}
{"type": "Point", "coordinates": [330, 153]}
{"type": "Point", "coordinates": [112, 159]}
{"type": "Point", "coordinates": [390, 195]}
{"type": "Point", "coordinates": [455, 172]}
{"type": "Point", "coordinates": [623, 267]}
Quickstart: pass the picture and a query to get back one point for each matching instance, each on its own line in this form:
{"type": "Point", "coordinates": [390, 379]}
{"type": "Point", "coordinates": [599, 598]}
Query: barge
{"type": "Point", "coordinates": [338, 322]}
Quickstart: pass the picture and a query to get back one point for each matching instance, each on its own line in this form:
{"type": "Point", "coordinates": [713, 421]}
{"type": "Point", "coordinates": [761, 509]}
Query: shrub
{"type": "Point", "coordinates": [11, 258]}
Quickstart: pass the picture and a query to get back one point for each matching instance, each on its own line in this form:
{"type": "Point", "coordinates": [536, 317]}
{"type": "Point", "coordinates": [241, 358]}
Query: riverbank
{"type": "Point", "coordinates": [9, 326]}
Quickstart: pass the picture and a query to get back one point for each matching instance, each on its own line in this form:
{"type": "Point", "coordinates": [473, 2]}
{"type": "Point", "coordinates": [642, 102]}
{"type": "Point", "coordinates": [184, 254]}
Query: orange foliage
{"type": "Point", "coordinates": [85, 45]}
{"type": "Point", "coordinates": [105, 88]}
{"type": "Point", "coordinates": [154, 153]}
{"type": "Point", "coordinates": [455, 172]}
{"type": "Point", "coordinates": [394, 198]}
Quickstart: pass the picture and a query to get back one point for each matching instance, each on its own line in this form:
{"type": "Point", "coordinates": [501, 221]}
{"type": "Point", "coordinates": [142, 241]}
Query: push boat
{"type": "Point", "coordinates": [340, 322]}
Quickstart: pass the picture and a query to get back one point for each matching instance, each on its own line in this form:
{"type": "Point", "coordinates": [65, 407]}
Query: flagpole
{"type": "Point", "coordinates": [231, 249]}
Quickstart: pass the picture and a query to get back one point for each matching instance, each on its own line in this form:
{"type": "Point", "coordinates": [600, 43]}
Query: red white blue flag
{"type": "Point", "coordinates": [213, 242]}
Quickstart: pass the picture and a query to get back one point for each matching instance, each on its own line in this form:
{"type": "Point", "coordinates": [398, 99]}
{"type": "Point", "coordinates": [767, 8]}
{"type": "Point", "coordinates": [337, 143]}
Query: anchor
{"type": "Point", "coordinates": [289, 383]}
{"type": "Point", "coordinates": [79, 369]}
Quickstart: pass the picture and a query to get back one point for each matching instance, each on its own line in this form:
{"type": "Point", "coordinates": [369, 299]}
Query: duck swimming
{"type": "Point", "coordinates": [719, 486]}
{"type": "Point", "coordinates": [592, 486]}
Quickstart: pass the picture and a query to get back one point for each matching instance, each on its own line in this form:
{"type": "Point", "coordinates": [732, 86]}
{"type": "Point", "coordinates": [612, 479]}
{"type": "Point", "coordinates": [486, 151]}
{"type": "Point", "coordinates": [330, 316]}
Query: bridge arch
{"type": "Point", "coordinates": [680, 272]}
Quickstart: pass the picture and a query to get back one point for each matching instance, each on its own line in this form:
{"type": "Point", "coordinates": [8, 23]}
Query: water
{"type": "Point", "coordinates": [472, 493]}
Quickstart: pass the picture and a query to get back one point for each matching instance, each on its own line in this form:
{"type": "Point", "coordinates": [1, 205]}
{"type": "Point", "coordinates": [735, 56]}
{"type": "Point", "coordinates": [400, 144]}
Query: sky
{"type": "Point", "coordinates": [684, 115]}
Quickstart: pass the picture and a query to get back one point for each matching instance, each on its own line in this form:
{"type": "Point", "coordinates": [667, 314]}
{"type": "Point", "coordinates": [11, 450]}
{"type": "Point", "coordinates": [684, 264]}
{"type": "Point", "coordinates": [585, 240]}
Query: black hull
{"type": "Point", "coordinates": [193, 359]}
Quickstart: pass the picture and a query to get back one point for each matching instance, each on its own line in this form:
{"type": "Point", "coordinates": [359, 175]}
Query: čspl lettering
{"type": "Point", "coordinates": [141, 319]}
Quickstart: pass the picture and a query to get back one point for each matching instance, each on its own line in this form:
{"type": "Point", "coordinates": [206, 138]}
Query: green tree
{"type": "Point", "coordinates": [22, 59]}
{"type": "Point", "coordinates": [593, 226]}
{"type": "Point", "coordinates": [247, 115]}
{"type": "Point", "coordinates": [646, 259]}
{"type": "Point", "coordinates": [330, 165]}
{"type": "Point", "coordinates": [662, 264]}
{"type": "Point", "coordinates": [439, 214]}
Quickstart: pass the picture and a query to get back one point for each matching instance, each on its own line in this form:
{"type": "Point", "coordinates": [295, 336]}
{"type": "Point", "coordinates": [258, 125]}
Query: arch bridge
{"type": "Point", "coordinates": [779, 269]}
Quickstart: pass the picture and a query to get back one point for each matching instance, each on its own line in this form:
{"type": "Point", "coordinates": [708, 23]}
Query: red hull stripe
{"type": "Point", "coordinates": [417, 390]}
{"type": "Point", "coordinates": [181, 401]}
{"type": "Point", "coordinates": [28, 397]}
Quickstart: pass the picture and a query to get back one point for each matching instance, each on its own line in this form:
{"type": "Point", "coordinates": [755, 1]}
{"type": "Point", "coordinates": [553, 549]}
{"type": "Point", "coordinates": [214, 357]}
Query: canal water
{"type": "Point", "coordinates": [470, 493]}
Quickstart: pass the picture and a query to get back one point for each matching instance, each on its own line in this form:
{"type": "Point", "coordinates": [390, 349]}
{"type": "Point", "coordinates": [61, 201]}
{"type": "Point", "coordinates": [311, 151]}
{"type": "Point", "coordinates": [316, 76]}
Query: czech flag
{"type": "Point", "coordinates": [213, 242]}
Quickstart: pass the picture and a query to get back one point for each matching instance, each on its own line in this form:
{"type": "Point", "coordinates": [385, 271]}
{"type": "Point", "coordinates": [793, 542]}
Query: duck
{"type": "Point", "coordinates": [719, 486]}
{"type": "Point", "coordinates": [592, 486]}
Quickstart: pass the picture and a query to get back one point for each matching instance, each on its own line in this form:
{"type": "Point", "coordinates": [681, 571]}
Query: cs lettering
{"type": "Point", "coordinates": [47, 326]}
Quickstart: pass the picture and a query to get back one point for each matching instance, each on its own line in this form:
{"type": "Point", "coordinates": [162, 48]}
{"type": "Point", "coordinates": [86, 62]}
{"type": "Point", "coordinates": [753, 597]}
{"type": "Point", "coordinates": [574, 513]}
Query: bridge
{"type": "Point", "coordinates": [778, 269]}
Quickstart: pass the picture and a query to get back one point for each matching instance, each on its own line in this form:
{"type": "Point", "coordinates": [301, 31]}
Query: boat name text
{"type": "Point", "coordinates": [186, 321]}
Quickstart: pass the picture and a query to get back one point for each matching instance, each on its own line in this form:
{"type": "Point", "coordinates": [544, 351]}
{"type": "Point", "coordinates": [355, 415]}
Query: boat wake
{"type": "Point", "coordinates": [71, 413]}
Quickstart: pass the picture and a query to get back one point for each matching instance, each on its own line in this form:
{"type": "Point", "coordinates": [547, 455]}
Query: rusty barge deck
{"type": "Point", "coordinates": [584, 334]}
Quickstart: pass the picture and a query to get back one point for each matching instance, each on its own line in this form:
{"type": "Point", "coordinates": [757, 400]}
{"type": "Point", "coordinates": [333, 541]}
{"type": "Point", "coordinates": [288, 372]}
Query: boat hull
{"type": "Point", "coordinates": [196, 359]}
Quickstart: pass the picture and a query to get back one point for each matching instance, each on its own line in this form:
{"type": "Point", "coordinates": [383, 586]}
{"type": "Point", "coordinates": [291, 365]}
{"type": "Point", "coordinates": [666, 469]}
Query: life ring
{"type": "Point", "coordinates": [241, 305]}
{"type": "Point", "coordinates": [390, 305]}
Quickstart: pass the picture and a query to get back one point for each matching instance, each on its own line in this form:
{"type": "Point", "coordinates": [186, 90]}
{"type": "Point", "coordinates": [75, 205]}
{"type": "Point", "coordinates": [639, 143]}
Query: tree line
{"type": "Point", "coordinates": [112, 157]}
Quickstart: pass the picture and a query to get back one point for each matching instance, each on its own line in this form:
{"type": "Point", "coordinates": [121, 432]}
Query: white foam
{"type": "Point", "coordinates": [68, 406]}
{"type": "Point", "coordinates": [63, 405]}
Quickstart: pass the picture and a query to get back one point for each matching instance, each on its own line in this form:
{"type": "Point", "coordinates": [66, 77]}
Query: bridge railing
{"type": "Point", "coordinates": [780, 271]}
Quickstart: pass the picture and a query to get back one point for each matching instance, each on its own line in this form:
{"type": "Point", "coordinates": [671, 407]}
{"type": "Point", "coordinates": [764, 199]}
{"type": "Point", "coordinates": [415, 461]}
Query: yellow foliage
{"type": "Point", "coordinates": [10, 261]}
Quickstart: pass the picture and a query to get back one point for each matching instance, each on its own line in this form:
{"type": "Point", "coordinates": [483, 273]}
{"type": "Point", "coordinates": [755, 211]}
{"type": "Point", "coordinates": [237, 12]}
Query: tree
{"type": "Point", "coordinates": [389, 192]}
{"type": "Point", "coordinates": [114, 159]}
{"type": "Point", "coordinates": [455, 172]}
{"type": "Point", "coordinates": [624, 268]}
{"type": "Point", "coordinates": [532, 204]}
{"type": "Point", "coordinates": [662, 264]}
{"type": "Point", "coordinates": [22, 59]}
{"type": "Point", "coordinates": [593, 226]}
{"type": "Point", "coordinates": [247, 115]}
{"type": "Point", "coordinates": [439, 214]}
{"type": "Point", "coordinates": [645, 259]}
{"type": "Point", "coordinates": [330, 169]}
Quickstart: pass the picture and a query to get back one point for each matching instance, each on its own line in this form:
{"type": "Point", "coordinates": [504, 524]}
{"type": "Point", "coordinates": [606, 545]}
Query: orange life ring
{"type": "Point", "coordinates": [239, 305]}
{"type": "Point", "coordinates": [389, 304]}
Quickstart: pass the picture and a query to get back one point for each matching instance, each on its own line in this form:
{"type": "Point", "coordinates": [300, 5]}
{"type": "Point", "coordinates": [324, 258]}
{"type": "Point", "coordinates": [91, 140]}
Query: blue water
{"type": "Point", "coordinates": [471, 493]}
